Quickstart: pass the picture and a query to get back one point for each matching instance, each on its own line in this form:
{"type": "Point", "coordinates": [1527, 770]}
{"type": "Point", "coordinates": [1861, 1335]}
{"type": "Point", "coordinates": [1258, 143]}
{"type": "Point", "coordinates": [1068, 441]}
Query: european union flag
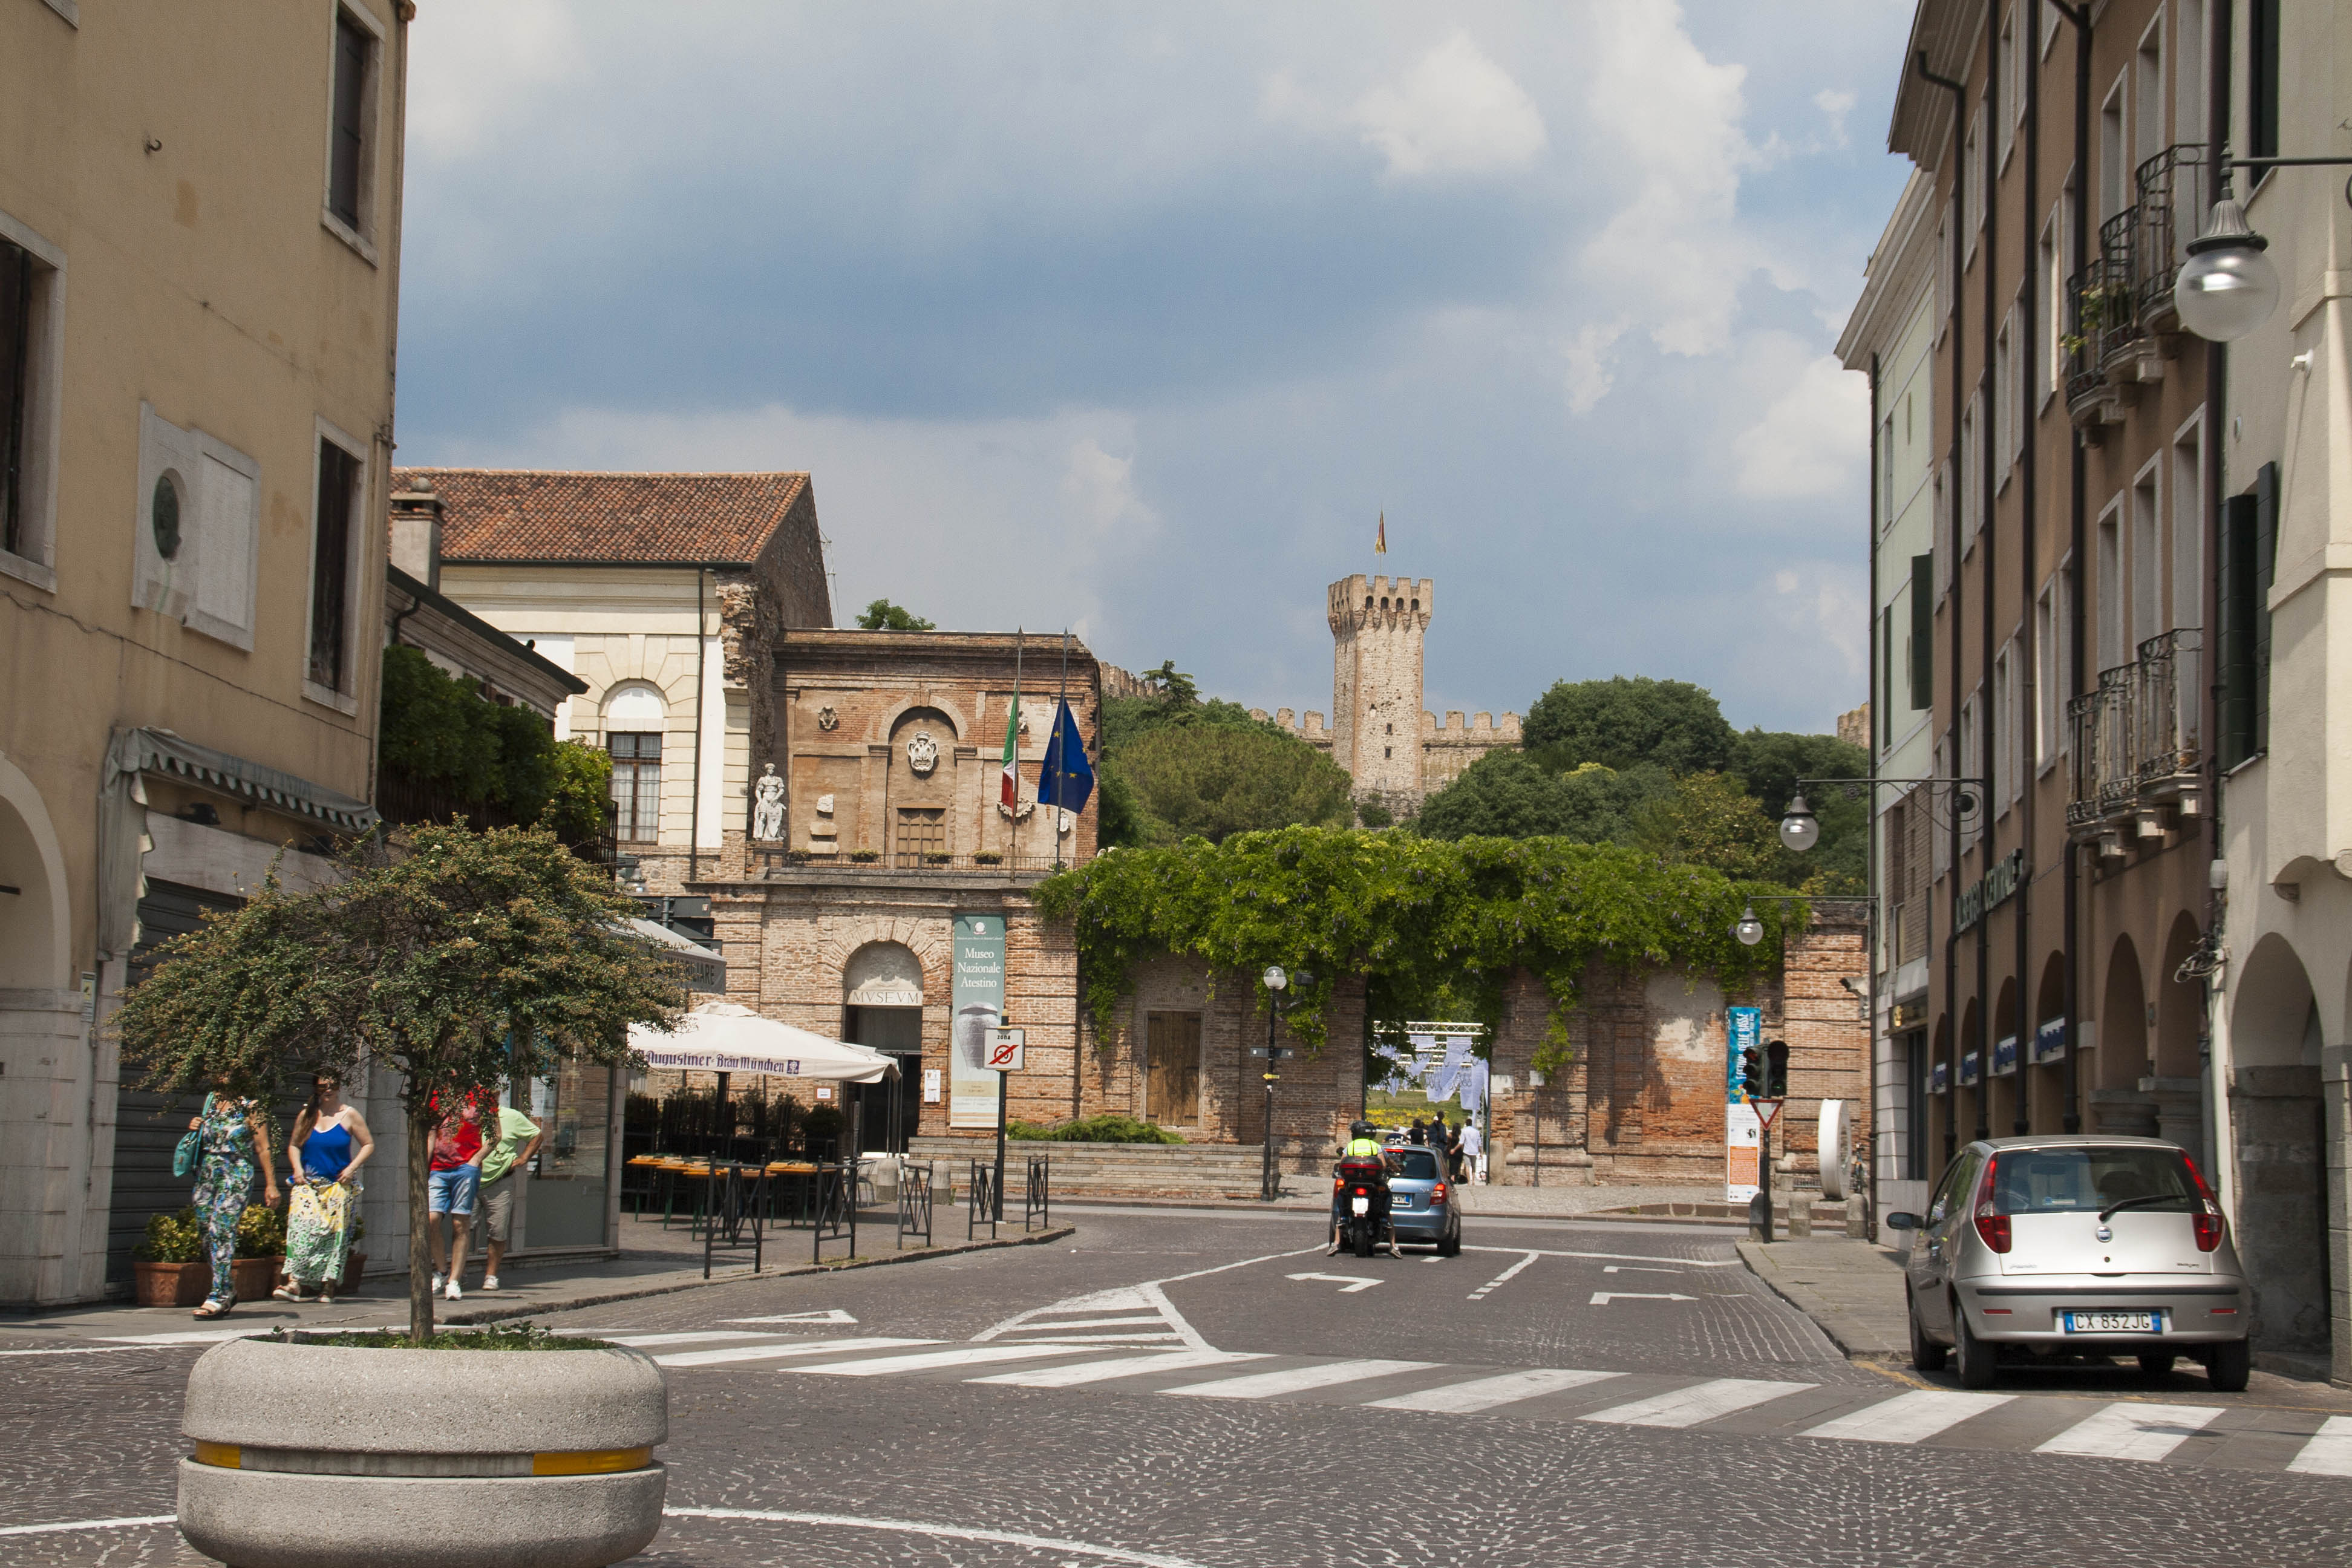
{"type": "Point", "coordinates": [1068, 779]}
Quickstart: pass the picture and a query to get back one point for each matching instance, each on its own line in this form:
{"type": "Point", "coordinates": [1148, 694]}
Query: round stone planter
{"type": "Point", "coordinates": [317, 1457]}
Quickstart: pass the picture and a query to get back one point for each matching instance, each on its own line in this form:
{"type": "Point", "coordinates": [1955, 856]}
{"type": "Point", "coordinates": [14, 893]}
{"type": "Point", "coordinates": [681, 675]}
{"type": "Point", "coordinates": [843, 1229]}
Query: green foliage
{"type": "Point", "coordinates": [580, 793]}
{"type": "Point", "coordinates": [1770, 764]}
{"type": "Point", "coordinates": [491, 1337]}
{"type": "Point", "coordinates": [822, 1121]}
{"type": "Point", "coordinates": [1108, 1128]}
{"type": "Point", "coordinates": [1509, 794]}
{"type": "Point", "coordinates": [1427, 922]}
{"type": "Point", "coordinates": [1374, 814]}
{"type": "Point", "coordinates": [1174, 686]}
{"type": "Point", "coordinates": [1173, 766]}
{"type": "Point", "coordinates": [1708, 820]}
{"type": "Point", "coordinates": [1215, 781]}
{"type": "Point", "coordinates": [882, 615]}
{"type": "Point", "coordinates": [440, 728]}
{"type": "Point", "coordinates": [1625, 722]}
{"type": "Point", "coordinates": [261, 1232]}
{"type": "Point", "coordinates": [171, 1239]}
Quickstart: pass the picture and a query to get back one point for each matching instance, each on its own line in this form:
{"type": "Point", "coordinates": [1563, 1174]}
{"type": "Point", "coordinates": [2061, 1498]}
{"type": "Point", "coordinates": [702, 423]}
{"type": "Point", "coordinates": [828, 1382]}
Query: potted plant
{"type": "Point", "coordinates": [865, 856]}
{"type": "Point", "coordinates": [460, 959]}
{"type": "Point", "coordinates": [168, 1266]}
{"type": "Point", "coordinates": [260, 1250]}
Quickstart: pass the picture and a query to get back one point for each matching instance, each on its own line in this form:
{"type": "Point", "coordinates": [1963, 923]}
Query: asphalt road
{"type": "Point", "coordinates": [1184, 1387]}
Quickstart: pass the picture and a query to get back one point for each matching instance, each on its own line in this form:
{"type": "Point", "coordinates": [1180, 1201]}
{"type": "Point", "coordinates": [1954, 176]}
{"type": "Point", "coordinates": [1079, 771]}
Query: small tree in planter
{"type": "Point", "coordinates": [468, 958]}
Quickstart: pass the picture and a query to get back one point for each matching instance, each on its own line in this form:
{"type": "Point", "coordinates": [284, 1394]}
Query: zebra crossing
{"type": "Point", "coordinates": [1140, 1358]}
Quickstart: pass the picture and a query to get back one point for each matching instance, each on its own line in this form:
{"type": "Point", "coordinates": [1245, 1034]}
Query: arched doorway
{"type": "Point", "coordinates": [2178, 1084]}
{"type": "Point", "coordinates": [2117, 1104]}
{"type": "Point", "coordinates": [2278, 1118]}
{"type": "Point", "coordinates": [1943, 1074]}
{"type": "Point", "coordinates": [2004, 1063]}
{"type": "Point", "coordinates": [34, 923]}
{"type": "Point", "coordinates": [1971, 1067]}
{"type": "Point", "coordinates": [882, 1009]}
{"type": "Point", "coordinates": [2049, 1042]}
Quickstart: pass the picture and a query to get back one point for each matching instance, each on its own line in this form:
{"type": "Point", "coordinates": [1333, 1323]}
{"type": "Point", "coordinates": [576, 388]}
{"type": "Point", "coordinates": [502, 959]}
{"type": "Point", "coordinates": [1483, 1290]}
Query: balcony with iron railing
{"type": "Point", "coordinates": [761, 862]}
{"type": "Point", "coordinates": [2136, 743]}
{"type": "Point", "coordinates": [2121, 325]}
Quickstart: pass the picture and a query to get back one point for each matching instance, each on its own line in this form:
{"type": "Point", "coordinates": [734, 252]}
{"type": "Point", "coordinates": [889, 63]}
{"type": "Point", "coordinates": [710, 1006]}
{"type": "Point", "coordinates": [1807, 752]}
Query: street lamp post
{"type": "Point", "coordinates": [2228, 288]}
{"type": "Point", "coordinates": [1277, 982]}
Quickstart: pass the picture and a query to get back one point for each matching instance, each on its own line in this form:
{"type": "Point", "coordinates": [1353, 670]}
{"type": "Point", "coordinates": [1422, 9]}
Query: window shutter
{"type": "Point", "coordinates": [2235, 698]}
{"type": "Point", "coordinates": [2265, 551]}
{"type": "Point", "coordinates": [1923, 632]}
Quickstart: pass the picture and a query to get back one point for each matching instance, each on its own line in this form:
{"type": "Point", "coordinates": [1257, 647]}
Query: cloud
{"type": "Point", "coordinates": [1824, 604]}
{"type": "Point", "coordinates": [1815, 434]}
{"type": "Point", "coordinates": [1454, 113]}
{"type": "Point", "coordinates": [471, 65]}
{"type": "Point", "coordinates": [1837, 103]}
{"type": "Point", "coordinates": [1587, 375]}
{"type": "Point", "coordinates": [970, 522]}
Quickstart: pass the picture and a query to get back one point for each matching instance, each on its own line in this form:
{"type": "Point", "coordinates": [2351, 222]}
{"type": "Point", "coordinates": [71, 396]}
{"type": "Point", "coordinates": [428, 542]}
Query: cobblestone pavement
{"type": "Point", "coordinates": [1185, 1389]}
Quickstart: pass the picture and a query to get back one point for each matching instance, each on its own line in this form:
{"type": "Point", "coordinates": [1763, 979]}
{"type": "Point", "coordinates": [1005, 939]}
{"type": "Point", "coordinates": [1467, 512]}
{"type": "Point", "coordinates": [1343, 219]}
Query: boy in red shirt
{"type": "Point", "coordinates": [457, 1174]}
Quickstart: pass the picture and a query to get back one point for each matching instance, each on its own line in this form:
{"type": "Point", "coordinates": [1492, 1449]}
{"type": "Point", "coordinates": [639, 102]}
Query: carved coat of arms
{"type": "Point", "coordinates": [923, 753]}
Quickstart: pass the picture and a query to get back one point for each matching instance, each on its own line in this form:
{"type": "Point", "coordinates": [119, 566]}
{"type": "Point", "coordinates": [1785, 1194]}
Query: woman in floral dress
{"type": "Point", "coordinates": [233, 1139]}
{"type": "Point", "coordinates": [329, 1143]}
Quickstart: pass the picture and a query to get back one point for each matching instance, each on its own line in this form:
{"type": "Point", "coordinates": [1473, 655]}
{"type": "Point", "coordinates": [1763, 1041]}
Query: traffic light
{"type": "Point", "coordinates": [1751, 1074]}
{"type": "Point", "coordinates": [1776, 1075]}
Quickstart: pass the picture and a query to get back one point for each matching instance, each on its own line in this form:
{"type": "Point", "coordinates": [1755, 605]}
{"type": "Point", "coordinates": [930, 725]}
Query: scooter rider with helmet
{"type": "Point", "coordinates": [1365, 1162]}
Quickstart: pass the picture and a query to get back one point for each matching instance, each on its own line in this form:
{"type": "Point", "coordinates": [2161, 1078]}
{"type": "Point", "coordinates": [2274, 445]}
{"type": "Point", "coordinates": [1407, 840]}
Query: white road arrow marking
{"type": "Point", "coordinates": [1636, 1268]}
{"type": "Point", "coordinates": [831, 1315]}
{"type": "Point", "coordinates": [1349, 1283]}
{"type": "Point", "coordinates": [1603, 1298]}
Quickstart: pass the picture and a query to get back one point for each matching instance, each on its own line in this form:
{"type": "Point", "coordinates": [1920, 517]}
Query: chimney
{"type": "Point", "coordinates": [416, 532]}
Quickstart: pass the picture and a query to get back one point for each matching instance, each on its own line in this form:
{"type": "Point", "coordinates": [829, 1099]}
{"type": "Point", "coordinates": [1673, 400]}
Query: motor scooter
{"type": "Point", "coordinates": [1361, 1191]}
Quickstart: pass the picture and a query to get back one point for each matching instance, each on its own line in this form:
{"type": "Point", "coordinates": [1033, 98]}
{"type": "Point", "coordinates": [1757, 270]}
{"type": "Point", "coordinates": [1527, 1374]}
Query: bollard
{"type": "Point", "coordinates": [1759, 1218]}
{"type": "Point", "coordinates": [1800, 1215]}
{"type": "Point", "coordinates": [1857, 1216]}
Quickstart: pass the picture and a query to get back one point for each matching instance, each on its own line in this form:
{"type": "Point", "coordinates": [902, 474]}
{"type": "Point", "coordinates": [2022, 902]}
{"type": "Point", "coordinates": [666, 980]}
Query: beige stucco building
{"type": "Point", "coordinates": [197, 310]}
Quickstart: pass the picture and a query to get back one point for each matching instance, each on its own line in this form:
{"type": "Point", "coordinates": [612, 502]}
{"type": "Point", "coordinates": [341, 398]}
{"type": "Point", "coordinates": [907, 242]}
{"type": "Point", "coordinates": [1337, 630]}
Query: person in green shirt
{"type": "Point", "coordinates": [517, 1139]}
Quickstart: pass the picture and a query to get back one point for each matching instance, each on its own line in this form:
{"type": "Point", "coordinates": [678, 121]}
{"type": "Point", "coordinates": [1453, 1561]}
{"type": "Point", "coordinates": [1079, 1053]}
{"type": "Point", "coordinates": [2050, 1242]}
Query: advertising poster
{"type": "Point", "coordinates": [1743, 1030]}
{"type": "Point", "coordinates": [979, 1002]}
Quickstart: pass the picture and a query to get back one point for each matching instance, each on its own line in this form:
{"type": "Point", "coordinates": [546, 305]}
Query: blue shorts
{"type": "Point", "coordinates": [452, 1192]}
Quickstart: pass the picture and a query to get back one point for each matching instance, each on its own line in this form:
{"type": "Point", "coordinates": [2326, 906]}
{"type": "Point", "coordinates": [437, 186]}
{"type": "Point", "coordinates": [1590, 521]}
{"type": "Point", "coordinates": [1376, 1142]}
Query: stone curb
{"type": "Point", "coordinates": [1855, 1339]}
{"type": "Point", "coordinates": [600, 1298]}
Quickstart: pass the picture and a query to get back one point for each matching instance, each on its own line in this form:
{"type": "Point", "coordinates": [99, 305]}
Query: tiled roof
{"type": "Point", "coordinates": [504, 514]}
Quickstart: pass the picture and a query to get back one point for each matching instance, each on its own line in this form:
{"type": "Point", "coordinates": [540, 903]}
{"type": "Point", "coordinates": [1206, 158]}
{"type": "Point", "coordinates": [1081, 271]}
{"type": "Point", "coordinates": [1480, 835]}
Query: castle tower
{"type": "Point", "coordinates": [1376, 718]}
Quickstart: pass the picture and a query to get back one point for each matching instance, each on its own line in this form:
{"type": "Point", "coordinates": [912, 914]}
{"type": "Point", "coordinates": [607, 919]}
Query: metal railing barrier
{"type": "Point", "coordinates": [1036, 1210]}
{"type": "Point", "coordinates": [980, 1202]}
{"type": "Point", "coordinates": [914, 1201]}
{"type": "Point", "coordinates": [834, 1208]}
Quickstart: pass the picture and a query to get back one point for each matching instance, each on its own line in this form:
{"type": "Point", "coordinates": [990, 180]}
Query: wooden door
{"type": "Point", "coordinates": [1172, 1083]}
{"type": "Point", "coordinates": [922, 831]}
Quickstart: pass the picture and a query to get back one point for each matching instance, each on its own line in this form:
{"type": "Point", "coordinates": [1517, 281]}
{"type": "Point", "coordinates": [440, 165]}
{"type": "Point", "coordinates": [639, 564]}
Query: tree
{"type": "Point", "coordinates": [460, 960]}
{"type": "Point", "coordinates": [1769, 763]}
{"type": "Point", "coordinates": [1216, 780]}
{"type": "Point", "coordinates": [1174, 686]}
{"type": "Point", "coordinates": [438, 728]}
{"type": "Point", "coordinates": [1708, 820]}
{"type": "Point", "coordinates": [882, 615]}
{"type": "Point", "coordinates": [1509, 794]}
{"type": "Point", "coordinates": [1625, 722]}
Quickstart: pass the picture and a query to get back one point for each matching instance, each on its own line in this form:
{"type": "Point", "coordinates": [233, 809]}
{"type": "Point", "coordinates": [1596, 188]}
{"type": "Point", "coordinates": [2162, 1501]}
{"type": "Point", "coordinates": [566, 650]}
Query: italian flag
{"type": "Point", "coordinates": [1009, 793]}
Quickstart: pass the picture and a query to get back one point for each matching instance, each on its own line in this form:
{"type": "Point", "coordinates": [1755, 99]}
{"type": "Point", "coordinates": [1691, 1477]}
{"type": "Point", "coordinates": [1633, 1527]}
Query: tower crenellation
{"type": "Point", "coordinates": [1376, 627]}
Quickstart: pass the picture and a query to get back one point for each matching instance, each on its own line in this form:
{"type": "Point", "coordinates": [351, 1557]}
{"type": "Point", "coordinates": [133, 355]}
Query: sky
{"type": "Point", "coordinates": [1134, 320]}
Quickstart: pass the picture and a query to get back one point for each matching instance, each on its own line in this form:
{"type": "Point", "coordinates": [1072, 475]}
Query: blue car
{"type": "Point", "coordinates": [1421, 1206]}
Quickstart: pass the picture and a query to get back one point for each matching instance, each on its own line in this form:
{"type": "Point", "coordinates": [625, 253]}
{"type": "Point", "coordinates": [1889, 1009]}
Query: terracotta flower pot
{"type": "Point", "coordinates": [253, 1277]}
{"type": "Point", "coordinates": [355, 1266]}
{"type": "Point", "coordinates": [171, 1284]}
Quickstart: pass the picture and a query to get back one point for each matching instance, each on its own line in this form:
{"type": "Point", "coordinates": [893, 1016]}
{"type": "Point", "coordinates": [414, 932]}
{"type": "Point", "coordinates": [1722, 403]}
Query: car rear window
{"type": "Point", "coordinates": [2068, 1180]}
{"type": "Point", "coordinates": [1416, 1165]}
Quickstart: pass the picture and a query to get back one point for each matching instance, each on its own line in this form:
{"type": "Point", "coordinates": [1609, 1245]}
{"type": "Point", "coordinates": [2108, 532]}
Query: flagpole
{"type": "Point", "coordinates": [1060, 746]}
{"type": "Point", "coordinates": [1014, 746]}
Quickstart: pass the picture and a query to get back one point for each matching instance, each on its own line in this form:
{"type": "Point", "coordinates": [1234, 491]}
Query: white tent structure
{"type": "Point", "coordinates": [721, 1036]}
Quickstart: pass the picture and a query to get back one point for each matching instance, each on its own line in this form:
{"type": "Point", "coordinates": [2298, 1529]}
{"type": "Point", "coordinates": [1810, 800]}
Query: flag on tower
{"type": "Point", "coordinates": [1009, 793]}
{"type": "Point", "coordinates": [1381, 540]}
{"type": "Point", "coordinates": [1068, 779]}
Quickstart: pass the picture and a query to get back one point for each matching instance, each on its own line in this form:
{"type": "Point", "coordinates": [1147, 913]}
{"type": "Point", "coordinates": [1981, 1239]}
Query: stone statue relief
{"type": "Point", "coordinates": [923, 753]}
{"type": "Point", "coordinates": [768, 806]}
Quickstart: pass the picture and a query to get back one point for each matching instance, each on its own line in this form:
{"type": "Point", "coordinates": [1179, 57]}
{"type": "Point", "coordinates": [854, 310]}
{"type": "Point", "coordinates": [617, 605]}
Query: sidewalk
{"type": "Point", "coordinates": [653, 1265]}
{"type": "Point", "coordinates": [1851, 1290]}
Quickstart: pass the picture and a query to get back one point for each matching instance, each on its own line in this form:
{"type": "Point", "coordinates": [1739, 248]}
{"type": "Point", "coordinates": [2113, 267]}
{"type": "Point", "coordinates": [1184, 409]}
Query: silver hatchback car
{"type": "Point", "coordinates": [2067, 1246]}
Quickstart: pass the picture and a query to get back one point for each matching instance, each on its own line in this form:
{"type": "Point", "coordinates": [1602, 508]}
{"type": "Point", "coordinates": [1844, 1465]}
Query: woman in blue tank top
{"type": "Point", "coordinates": [329, 1144]}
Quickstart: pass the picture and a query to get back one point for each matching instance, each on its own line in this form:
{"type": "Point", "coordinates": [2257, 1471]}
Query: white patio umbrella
{"type": "Point", "coordinates": [721, 1036]}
